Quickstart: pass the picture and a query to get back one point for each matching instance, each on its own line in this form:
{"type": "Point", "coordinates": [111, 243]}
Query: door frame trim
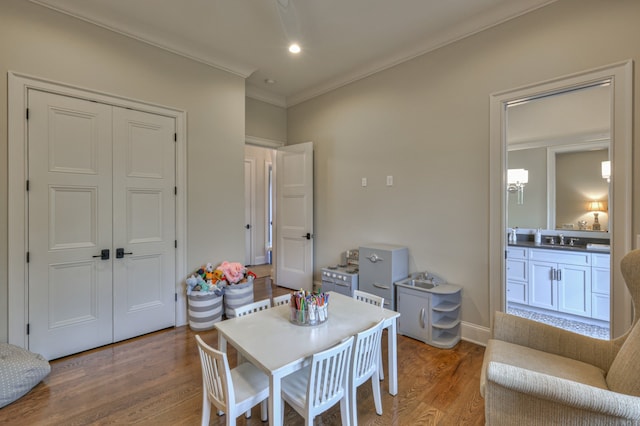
{"type": "Point", "coordinates": [18, 86]}
{"type": "Point", "coordinates": [621, 192]}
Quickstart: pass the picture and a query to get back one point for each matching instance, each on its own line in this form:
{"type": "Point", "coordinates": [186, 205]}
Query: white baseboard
{"type": "Point", "coordinates": [475, 334]}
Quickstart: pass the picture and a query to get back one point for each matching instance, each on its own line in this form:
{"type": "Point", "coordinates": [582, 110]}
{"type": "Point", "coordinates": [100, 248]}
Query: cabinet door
{"type": "Point", "coordinates": [414, 314]}
{"type": "Point", "coordinates": [600, 307]}
{"type": "Point", "coordinates": [517, 292]}
{"type": "Point", "coordinates": [517, 269]}
{"type": "Point", "coordinates": [574, 289]}
{"type": "Point", "coordinates": [543, 292]}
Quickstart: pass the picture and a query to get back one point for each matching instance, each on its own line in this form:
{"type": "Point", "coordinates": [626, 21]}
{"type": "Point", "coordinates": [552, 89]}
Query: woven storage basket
{"type": "Point", "coordinates": [205, 309]}
{"type": "Point", "coordinates": [237, 295]}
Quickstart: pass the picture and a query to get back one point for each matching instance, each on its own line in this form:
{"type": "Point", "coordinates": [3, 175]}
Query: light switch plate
{"type": "Point", "coordinates": [364, 181]}
{"type": "Point", "coordinates": [389, 180]}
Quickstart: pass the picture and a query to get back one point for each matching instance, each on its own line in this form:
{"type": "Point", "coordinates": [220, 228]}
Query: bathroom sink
{"type": "Point", "coordinates": [563, 247]}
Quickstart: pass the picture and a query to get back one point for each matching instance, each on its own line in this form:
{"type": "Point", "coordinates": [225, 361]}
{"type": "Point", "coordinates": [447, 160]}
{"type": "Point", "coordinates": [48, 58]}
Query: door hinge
{"type": "Point", "coordinates": [175, 137]}
{"type": "Point", "coordinates": [175, 190]}
{"type": "Point", "coordinates": [176, 296]}
{"type": "Point", "coordinates": [27, 113]}
{"type": "Point", "coordinates": [28, 328]}
{"type": "Point", "coordinates": [28, 257]}
{"type": "Point", "coordinates": [27, 185]}
{"type": "Point", "coordinates": [175, 243]}
{"type": "Point", "coordinates": [505, 254]}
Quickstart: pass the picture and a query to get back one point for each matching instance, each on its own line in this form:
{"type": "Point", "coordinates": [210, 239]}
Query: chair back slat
{"type": "Point", "coordinates": [285, 299]}
{"type": "Point", "coordinates": [369, 298]}
{"type": "Point", "coordinates": [327, 381]}
{"type": "Point", "coordinates": [216, 375]}
{"type": "Point", "coordinates": [252, 308]}
{"type": "Point", "coordinates": [366, 352]}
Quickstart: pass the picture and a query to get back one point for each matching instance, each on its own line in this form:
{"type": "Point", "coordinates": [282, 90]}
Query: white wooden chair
{"type": "Point", "coordinates": [252, 308]}
{"type": "Point", "coordinates": [372, 299]}
{"type": "Point", "coordinates": [364, 366]}
{"type": "Point", "coordinates": [285, 299]}
{"type": "Point", "coordinates": [231, 391]}
{"type": "Point", "coordinates": [319, 386]}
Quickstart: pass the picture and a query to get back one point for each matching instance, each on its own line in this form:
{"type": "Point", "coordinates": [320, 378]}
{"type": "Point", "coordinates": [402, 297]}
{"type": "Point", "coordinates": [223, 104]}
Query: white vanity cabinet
{"type": "Point", "coordinates": [560, 280]}
{"type": "Point", "coordinates": [600, 286]}
{"type": "Point", "coordinates": [517, 274]}
{"type": "Point", "coordinates": [431, 316]}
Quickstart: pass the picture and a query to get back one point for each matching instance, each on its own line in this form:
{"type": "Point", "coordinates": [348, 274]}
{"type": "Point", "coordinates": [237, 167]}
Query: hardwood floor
{"type": "Point", "coordinates": [155, 380]}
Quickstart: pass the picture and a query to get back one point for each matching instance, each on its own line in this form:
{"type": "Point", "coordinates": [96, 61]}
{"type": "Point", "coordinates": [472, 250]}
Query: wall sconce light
{"type": "Point", "coordinates": [516, 180]}
{"type": "Point", "coordinates": [595, 207]}
{"type": "Point", "coordinates": [606, 170]}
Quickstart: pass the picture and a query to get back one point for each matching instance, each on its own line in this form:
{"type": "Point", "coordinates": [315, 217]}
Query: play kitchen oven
{"type": "Point", "coordinates": [342, 278]}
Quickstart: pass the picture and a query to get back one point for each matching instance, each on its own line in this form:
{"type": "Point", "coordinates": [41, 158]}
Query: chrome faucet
{"type": "Point", "coordinates": [561, 239]}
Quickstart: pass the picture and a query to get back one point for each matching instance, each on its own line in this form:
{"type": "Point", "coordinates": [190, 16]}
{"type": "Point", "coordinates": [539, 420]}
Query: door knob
{"type": "Point", "coordinates": [120, 253]}
{"type": "Point", "coordinates": [307, 236]}
{"type": "Point", "coordinates": [104, 254]}
{"type": "Point", "coordinates": [247, 226]}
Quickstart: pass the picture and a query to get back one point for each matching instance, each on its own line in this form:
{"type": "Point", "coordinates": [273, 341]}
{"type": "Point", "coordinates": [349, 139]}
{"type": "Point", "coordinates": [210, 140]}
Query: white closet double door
{"type": "Point", "coordinates": [101, 215]}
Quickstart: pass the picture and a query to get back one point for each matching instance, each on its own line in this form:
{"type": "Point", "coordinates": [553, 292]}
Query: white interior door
{"type": "Point", "coordinates": [101, 178]}
{"type": "Point", "coordinates": [143, 223]}
{"type": "Point", "coordinates": [294, 216]}
{"type": "Point", "coordinates": [70, 222]}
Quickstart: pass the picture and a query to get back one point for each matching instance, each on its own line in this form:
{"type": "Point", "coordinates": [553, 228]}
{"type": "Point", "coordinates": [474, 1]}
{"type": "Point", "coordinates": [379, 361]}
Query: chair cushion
{"type": "Point", "coordinates": [20, 370]}
{"type": "Point", "coordinates": [542, 362]}
{"type": "Point", "coordinates": [624, 374]}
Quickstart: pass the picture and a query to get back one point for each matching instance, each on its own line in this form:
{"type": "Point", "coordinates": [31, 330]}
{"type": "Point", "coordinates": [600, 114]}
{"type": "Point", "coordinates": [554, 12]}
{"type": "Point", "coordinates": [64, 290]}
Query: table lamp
{"type": "Point", "coordinates": [595, 207]}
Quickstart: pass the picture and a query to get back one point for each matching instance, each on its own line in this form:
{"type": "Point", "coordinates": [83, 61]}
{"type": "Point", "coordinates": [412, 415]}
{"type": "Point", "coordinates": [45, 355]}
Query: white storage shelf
{"type": "Point", "coordinates": [430, 315]}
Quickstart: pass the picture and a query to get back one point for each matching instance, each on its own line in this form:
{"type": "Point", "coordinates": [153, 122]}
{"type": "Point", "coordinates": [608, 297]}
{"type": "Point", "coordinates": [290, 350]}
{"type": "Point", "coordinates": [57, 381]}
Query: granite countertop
{"type": "Point", "coordinates": [598, 248]}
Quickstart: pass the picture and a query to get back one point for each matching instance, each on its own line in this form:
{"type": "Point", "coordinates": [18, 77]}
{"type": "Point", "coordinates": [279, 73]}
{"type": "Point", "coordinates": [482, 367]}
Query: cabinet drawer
{"type": "Point", "coordinates": [516, 252]}
{"type": "Point", "coordinates": [601, 281]}
{"type": "Point", "coordinates": [559, 256]}
{"type": "Point", "coordinates": [517, 269]}
{"type": "Point", "coordinates": [600, 260]}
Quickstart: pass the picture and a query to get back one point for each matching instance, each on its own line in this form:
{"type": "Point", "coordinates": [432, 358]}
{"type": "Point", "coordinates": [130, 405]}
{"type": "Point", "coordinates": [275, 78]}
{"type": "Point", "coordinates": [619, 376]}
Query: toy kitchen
{"type": "Point", "coordinates": [372, 268]}
{"type": "Point", "coordinates": [343, 277]}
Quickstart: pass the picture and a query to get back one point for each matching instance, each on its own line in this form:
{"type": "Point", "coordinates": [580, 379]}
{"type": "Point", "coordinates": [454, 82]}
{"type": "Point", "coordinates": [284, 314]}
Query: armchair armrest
{"type": "Point", "coordinates": [563, 391]}
{"type": "Point", "coordinates": [544, 337]}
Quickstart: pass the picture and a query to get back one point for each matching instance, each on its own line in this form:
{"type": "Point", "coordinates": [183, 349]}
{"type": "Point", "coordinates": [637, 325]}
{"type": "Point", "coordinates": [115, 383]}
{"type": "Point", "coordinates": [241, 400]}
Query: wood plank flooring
{"type": "Point", "coordinates": [155, 380]}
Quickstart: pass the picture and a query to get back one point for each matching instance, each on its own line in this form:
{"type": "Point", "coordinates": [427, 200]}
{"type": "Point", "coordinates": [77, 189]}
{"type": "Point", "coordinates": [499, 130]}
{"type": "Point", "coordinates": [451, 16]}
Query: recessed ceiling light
{"type": "Point", "coordinates": [294, 48]}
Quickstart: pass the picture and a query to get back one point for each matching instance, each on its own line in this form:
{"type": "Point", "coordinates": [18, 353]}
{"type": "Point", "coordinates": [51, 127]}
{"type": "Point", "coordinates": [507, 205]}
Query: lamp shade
{"type": "Point", "coordinates": [595, 206]}
{"type": "Point", "coordinates": [517, 176]}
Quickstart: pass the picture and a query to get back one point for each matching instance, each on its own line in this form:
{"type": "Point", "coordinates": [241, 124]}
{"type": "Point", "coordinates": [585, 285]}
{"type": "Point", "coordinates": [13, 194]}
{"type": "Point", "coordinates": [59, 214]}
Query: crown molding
{"type": "Point", "coordinates": [259, 94]}
{"type": "Point", "coordinates": [232, 67]}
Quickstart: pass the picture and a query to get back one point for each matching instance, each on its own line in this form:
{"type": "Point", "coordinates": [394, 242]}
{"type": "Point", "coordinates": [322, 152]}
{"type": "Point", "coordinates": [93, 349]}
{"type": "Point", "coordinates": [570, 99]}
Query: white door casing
{"type": "Point", "coordinates": [18, 212]}
{"type": "Point", "coordinates": [70, 303]}
{"type": "Point", "coordinates": [294, 216]}
{"type": "Point", "coordinates": [249, 210]}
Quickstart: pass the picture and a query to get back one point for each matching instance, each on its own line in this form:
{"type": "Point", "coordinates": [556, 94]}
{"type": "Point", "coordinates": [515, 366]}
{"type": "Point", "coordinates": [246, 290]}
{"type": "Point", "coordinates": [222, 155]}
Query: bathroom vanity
{"type": "Point", "coordinates": [562, 280]}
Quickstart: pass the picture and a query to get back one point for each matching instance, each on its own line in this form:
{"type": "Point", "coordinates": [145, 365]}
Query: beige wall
{"type": "Point", "coordinates": [43, 43]}
{"type": "Point", "coordinates": [426, 122]}
{"type": "Point", "coordinates": [265, 121]}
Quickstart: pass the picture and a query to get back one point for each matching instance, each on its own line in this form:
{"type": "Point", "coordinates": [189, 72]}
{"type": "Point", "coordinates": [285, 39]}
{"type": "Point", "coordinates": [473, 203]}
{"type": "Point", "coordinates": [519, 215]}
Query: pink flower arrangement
{"type": "Point", "coordinates": [233, 271]}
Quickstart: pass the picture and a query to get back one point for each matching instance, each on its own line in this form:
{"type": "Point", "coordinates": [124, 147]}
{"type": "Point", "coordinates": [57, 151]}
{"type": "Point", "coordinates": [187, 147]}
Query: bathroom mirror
{"type": "Point", "coordinates": [561, 140]}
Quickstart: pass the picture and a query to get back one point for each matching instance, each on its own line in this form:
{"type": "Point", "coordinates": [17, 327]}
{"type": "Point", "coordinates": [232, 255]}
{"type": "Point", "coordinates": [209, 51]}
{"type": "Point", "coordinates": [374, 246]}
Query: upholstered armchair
{"type": "Point", "coordinates": [536, 374]}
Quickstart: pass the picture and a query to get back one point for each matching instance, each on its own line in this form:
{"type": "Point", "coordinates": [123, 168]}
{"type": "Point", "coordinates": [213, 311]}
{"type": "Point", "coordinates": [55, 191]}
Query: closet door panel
{"type": "Point", "coordinates": [143, 222]}
{"type": "Point", "coordinates": [70, 223]}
